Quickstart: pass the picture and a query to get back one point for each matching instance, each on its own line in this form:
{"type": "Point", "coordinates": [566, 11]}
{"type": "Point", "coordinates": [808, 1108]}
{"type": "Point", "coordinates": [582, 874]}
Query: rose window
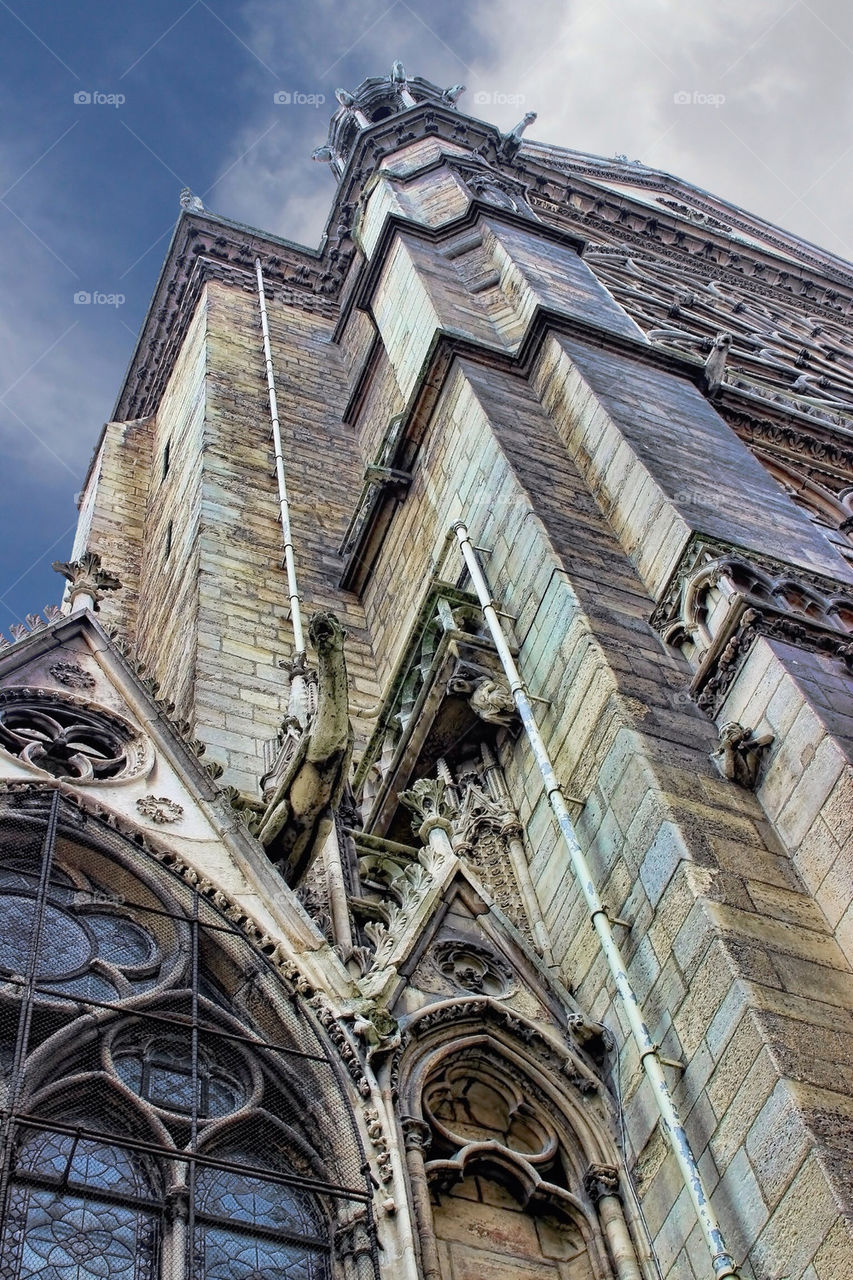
{"type": "Point", "coordinates": [66, 739]}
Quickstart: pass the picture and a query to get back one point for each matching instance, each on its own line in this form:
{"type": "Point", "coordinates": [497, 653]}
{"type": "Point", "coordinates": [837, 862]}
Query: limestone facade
{"type": "Point", "coordinates": [528, 340]}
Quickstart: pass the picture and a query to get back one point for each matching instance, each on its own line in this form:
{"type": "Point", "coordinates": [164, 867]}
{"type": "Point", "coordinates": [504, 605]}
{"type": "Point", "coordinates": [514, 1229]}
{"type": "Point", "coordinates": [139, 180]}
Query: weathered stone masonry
{"type": "Point", "coordinates": [526, 339]}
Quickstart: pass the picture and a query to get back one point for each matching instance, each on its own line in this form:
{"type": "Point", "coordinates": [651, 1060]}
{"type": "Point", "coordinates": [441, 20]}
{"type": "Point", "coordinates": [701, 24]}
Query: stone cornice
{"type": "Point", "coordinates": [202, 248]}
{"type": "Point", "coordinates": [205, 246]}
{"type": "Point", "coordinates": [596, 174]}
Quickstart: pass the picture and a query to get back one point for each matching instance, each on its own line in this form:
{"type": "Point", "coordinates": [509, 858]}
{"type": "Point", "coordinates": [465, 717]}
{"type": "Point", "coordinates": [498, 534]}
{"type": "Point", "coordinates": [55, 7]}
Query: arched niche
{"type": "Point", "coordinates": [513, 1169]}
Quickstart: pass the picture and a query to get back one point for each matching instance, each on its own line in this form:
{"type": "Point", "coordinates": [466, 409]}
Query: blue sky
{"type": "Point", "coordinates": [89, 189]}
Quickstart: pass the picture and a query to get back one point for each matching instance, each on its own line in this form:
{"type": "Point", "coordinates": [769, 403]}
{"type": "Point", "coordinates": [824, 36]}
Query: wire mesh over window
{"type": "Point", "coordinates": [167, 1105]}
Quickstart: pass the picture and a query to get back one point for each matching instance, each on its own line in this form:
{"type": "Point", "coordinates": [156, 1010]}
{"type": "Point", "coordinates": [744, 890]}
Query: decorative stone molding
{"type": "Point", "coordinates": [379, 1142]}
{"type": "Point", "coordinates": [72, 675]}
{"type": "Point", "coordinates": [345, 1049]}
{"type": "Point", "coordinates": [563, 1061]}
{"type": "Point", "coordinates": [601, 1180]}
{"type": "Point", "coordinates": [159, 809]}
{"type": "Point", "coordinates": [474, 969]}
{"type": "Point", "coordinates": [720, 598]}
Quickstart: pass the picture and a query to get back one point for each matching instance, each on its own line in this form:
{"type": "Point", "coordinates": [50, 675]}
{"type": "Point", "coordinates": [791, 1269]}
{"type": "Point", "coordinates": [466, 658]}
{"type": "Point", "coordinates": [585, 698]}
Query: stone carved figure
{"type": "Point", "coordinates": [190, 202]}
{"type": "Point", "coordinates": [715, 365]}
{"type": "Point", "coordinates": [489, 698]}
{"type": "Point", "coordinates": [511, 142]}
{"type": "Point", "coordinates": [298, 813]}
{"type": "Point", "coordinates": [738, 757]}
{"type": "Point", "coordinates": [452, 93]}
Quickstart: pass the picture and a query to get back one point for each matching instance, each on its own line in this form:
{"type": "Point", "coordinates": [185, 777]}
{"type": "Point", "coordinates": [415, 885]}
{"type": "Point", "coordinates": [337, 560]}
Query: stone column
{"type": "Point", "coordinates": [416, 1138]}
{"type": "Point", "coordinates": [177, 1245]}
{"type": "Point", "coordinates": [602, 1187]}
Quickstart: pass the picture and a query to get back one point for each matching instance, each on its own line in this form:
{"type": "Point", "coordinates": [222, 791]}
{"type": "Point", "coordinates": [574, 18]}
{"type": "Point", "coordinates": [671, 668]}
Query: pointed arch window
{"type": "Point", "coordinates": [79, 1210]}
{"type": "Point", "coordinates": [202, 1131]}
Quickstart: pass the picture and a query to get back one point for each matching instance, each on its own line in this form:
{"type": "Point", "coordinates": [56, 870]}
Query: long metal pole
{"type": "Point", "coordinates": [721, 1260]}
{"type": "Point", "coordinates": [283, 501]}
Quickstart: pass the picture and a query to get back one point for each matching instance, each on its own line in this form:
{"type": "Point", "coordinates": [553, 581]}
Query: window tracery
{"type": "Point", "coordinates": [180, 1043]}
{"type": "Point", "coordinates": [499, 1149]}
{"type": "Point", "coordinates": [68, 738]}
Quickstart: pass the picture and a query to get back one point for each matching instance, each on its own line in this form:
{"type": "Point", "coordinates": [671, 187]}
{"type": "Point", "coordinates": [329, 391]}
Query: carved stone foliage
{"type": "Point", "coordinates": [409, 884]}
{"type": "Point", "coordinates": [87, 577]}
{"type": "Point", "coordinates": [159, 809]}
{"type": "Point", "coordinates": [430, 802]}
{"type": "Point", "coordinates": [34, 622]}
{"type": "Point", "coordinates": [68, 739]}
{"type": "Point", "coordinates": [473, 969]}
{"type": "Point", "coordinates": [72, 675]}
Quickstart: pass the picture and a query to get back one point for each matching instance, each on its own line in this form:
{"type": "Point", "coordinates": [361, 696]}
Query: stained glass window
{"type": "Point", "coordinates": [75, 1229]}
{"type": "Point", "coordinates": [162, 1072]}
{"type": "Point", "coordinates": [70, 940]}
{"type": "Point", "coordinates": [287, 1244]}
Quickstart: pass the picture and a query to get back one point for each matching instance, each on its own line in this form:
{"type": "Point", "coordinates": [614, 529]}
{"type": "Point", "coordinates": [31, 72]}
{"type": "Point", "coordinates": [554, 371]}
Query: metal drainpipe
{"type": "Point", "coordinates": [721, 1260]}
{"type": "Point", "coordinates": [298, 677]}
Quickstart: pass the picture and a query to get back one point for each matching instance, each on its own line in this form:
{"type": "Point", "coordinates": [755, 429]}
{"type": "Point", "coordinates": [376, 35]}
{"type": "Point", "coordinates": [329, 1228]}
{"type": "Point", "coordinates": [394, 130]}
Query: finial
{"type": "Point", "coordinates": [191, 203]}
{"type": "Point", "coordinates": [88, 580]}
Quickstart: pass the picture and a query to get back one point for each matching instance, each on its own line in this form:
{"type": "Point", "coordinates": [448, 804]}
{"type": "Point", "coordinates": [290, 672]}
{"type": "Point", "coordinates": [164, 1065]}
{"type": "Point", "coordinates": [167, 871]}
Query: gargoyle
{"type": "Point", "coordinates": [511, 142]}
{"type": "Point", "coordinates": [714, 369]}
{"type": "Point", "coordinates": [298, 814]}
{"type": "Point", "coordinates": [488, 698]}
{"type": "Point", "coordinates": [740, 753]}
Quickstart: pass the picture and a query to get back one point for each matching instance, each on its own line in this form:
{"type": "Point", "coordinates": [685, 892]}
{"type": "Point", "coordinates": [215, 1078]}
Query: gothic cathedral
{"type": "Point", "coordinates": [426, 826]}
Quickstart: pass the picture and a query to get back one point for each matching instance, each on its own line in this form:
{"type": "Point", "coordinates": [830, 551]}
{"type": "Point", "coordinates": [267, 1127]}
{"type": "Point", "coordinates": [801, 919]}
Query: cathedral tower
{"type": "Point", "coordinates": [426, 824]}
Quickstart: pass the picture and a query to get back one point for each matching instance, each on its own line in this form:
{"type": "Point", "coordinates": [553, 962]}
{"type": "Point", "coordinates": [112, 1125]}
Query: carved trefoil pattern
{"type": "Point", "coordinates": [473, 969]}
